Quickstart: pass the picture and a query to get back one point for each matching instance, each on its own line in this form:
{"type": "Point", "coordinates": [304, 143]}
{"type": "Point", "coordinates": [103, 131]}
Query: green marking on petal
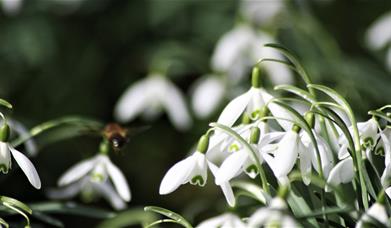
{"type": "Point", "coordinates": [233, 147]}
{"type": "Point", "coordinates": [197, 180]}
{"type": "Point", "coordinates": [97, 177]}
{"type": "Point", "coordinates": [256, 114]}
{"type": "Point", "coordinates": [252, 169]}
{"type": "Point", "coordinates": [368, 142]}
{"type": "Point", "coordinates": [4, 168]}
{"type": "Point", "coordinates": [380, 151]}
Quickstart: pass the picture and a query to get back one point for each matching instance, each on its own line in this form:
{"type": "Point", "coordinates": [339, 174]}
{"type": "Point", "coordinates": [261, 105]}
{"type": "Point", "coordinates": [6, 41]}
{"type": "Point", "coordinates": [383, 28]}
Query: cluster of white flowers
{"type": "Point", "coordinates": [274, 139]}
{"type": "Point", "coordinates": [232, 58]}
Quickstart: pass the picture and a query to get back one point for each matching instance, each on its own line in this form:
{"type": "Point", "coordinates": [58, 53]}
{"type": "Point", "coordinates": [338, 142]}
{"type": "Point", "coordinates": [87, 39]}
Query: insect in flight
{"type": "Point", "coordinates": [118, 136]}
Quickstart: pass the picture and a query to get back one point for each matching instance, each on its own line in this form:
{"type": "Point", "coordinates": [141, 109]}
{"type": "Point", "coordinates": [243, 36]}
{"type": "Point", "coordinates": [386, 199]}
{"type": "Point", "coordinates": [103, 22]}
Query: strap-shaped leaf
{"type": "Point", "coordinates": [5, 103]}
{"type": "Point", "coordinates": [174, 217]}
{"type": "Point", "coordinates": [132, 217]}
{"type": "Point", "coordinates": [15, 203]}
{"type": "Point", "coordinates": [297, 91]}
{"type": "Point", "coordinates": [380, 115]}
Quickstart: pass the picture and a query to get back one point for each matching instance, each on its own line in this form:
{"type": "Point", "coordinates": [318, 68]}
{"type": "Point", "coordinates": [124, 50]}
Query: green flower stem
{"type": "Point", "coordinates": [250, 150]}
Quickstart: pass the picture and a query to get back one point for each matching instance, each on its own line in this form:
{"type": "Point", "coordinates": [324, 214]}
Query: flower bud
{"type": "Point", "coordinates": [256, 77]}
{"type": "Point", "coordinates": [203, 144]}
{"type": "Point", "coordinates": [255, 135]}
{"type": "Point", "coordinates": [310, 118]}
{"type": "Point", "coordinates": [4, 132]}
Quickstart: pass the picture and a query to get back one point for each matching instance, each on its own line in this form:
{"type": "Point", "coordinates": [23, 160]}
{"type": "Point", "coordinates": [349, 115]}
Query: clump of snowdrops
{"type": "Point", "coordinates": [306, 161]}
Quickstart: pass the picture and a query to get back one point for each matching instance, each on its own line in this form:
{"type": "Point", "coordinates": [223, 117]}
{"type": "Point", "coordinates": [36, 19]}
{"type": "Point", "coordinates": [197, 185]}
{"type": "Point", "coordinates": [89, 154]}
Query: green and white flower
{"type": "Point", "coordinates": [6, 150]}
{"type": "Point", "coordinates": [95, 172]}
{"type": "Point", "coordinates": [150, 97]}
{"type": "Point", "coordinates": [378, 212]}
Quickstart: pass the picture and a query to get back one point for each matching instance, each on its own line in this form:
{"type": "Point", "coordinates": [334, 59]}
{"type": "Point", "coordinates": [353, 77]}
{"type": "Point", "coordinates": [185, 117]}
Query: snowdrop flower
{"type": "Point", "coordinates": [273, 216]}
{"type": "Point", "coordinates": [342, 173]}
{"type": "Point", "coordinates": [207, 94]}
{"type": "Point", "coordinates": [194, 169]}
{"type": "Point", "coordinates": [376, 211]}
{"type": "Point", "coordinates": [226, 220]}
{"type": "Point", "coordinates": [241, 47]}
{"type": "Point", "coordinates": [149, 96]}
{"type": "Point", "coordinates": [251, 103]}
{"type": "Point", "coordinates": [325, 152]}
{"type": "Point", "coordinates": [240, 161]}
{"type": "Point", "coordinates": [288, 149]}
{"type": "Point", "coordinates": [368, 136]}
{"type": "Point", "coordinates": [260, 12]}
{"type": "Point", "coordinates": [11, 7]}
{"type": "Point", "coordinates": [95, 172]}
{"type": "Point", "coordinates": [6, 150]}
{"type": "Point", "coordinates": [386, 176]}
{"type": "Point", "coordinates": [379, 36]}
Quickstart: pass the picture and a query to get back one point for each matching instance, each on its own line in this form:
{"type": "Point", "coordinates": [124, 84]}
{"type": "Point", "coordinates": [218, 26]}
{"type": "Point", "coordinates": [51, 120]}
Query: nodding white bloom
{"type": "Point", "coordinates": [226, 220]}
{"type": "Point", "coordinates": [238, 49]}
{"type": "Point", "coordinates": [386, 176]}
{"type": "Point", "coordinates": [379, 34]}
{"type": "Point", "coordinates": [376, 211]}
{"type": "Point", "coordinates": [325, 152]}
{"type": "Point", "coordinates": [252, 103]}
{"type": "Point", "coordinates": [149, 97]}
{"type": "Point", "coordinates": [193, 169]}
{"type": "Point", "coordinates": [260, 12]}
{"type": "Point", "coordinates": [96, 172]}
{"type": "Point", "coordinates": [20, 129]}
{"type": "Point", "coordinates": [6, 150]}
{"type": "Point", "coordinates": [343, 172]}
{"type": "Point", "coordinates": [11, 7]}
{"type": "Point", "coordinates": [368, 136]}
{"type": "Point", "coordinates": [241, 161]}
{"type": "Point", "coordinates": [273, 216]}
{"type": "Point", "coordinates": [208, 93]}
{"type": "Point", "coordinates": [288, 149]}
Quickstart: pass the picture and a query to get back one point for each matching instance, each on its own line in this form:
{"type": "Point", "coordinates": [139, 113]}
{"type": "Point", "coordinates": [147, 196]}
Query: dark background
{"type": "Point", "coordinates": [61, 59]}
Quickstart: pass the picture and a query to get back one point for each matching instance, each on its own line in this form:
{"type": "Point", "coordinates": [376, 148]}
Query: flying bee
{"type": "Point", "coordinates": [118, 136]}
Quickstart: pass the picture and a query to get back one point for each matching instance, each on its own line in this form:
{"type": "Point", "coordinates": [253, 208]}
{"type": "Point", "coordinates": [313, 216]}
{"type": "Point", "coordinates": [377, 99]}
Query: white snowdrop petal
{"type": "Point", "coordinates": [27, 167]}
{"type": "Point", "coordinates": [207, 95]}
{"type": "Point", "coordinates": [278, 111]}
{"type": "Point", "coordinates": [77, 171]}
{"type": "Point", "coordinates": [259, 217]}
{"type": "Point", "coordinates": [286, 154]}
{"type": "Point", "coordinates": [174, 103]}
{"type": "Point", "coordinates": [379, 34]}
{"type": "Point", "coordinates": [177, 175]}
{"type": "Point", "coordinates": [234, 109]}
{"type": "Point", "coordinates": [225, 186]}
{"type": "Point", "coordinates": [133, 101]}
{"type": "Point", "coordinates": [231, 166]}
{"type": "Point", "coordinates": [107, 191]}
{"type": "Point", "coordinates": [342, 173]}
{"type": "Point", "coordinates": [213, 222]}
{"type": "Point", "coordinates": [68, 191]}
{"type": "Point", "coordinates": [119, 180]}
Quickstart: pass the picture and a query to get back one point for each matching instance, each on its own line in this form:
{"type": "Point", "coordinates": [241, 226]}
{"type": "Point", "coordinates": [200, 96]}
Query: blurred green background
{"type": "Point", "coordinates": [77, 57]}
